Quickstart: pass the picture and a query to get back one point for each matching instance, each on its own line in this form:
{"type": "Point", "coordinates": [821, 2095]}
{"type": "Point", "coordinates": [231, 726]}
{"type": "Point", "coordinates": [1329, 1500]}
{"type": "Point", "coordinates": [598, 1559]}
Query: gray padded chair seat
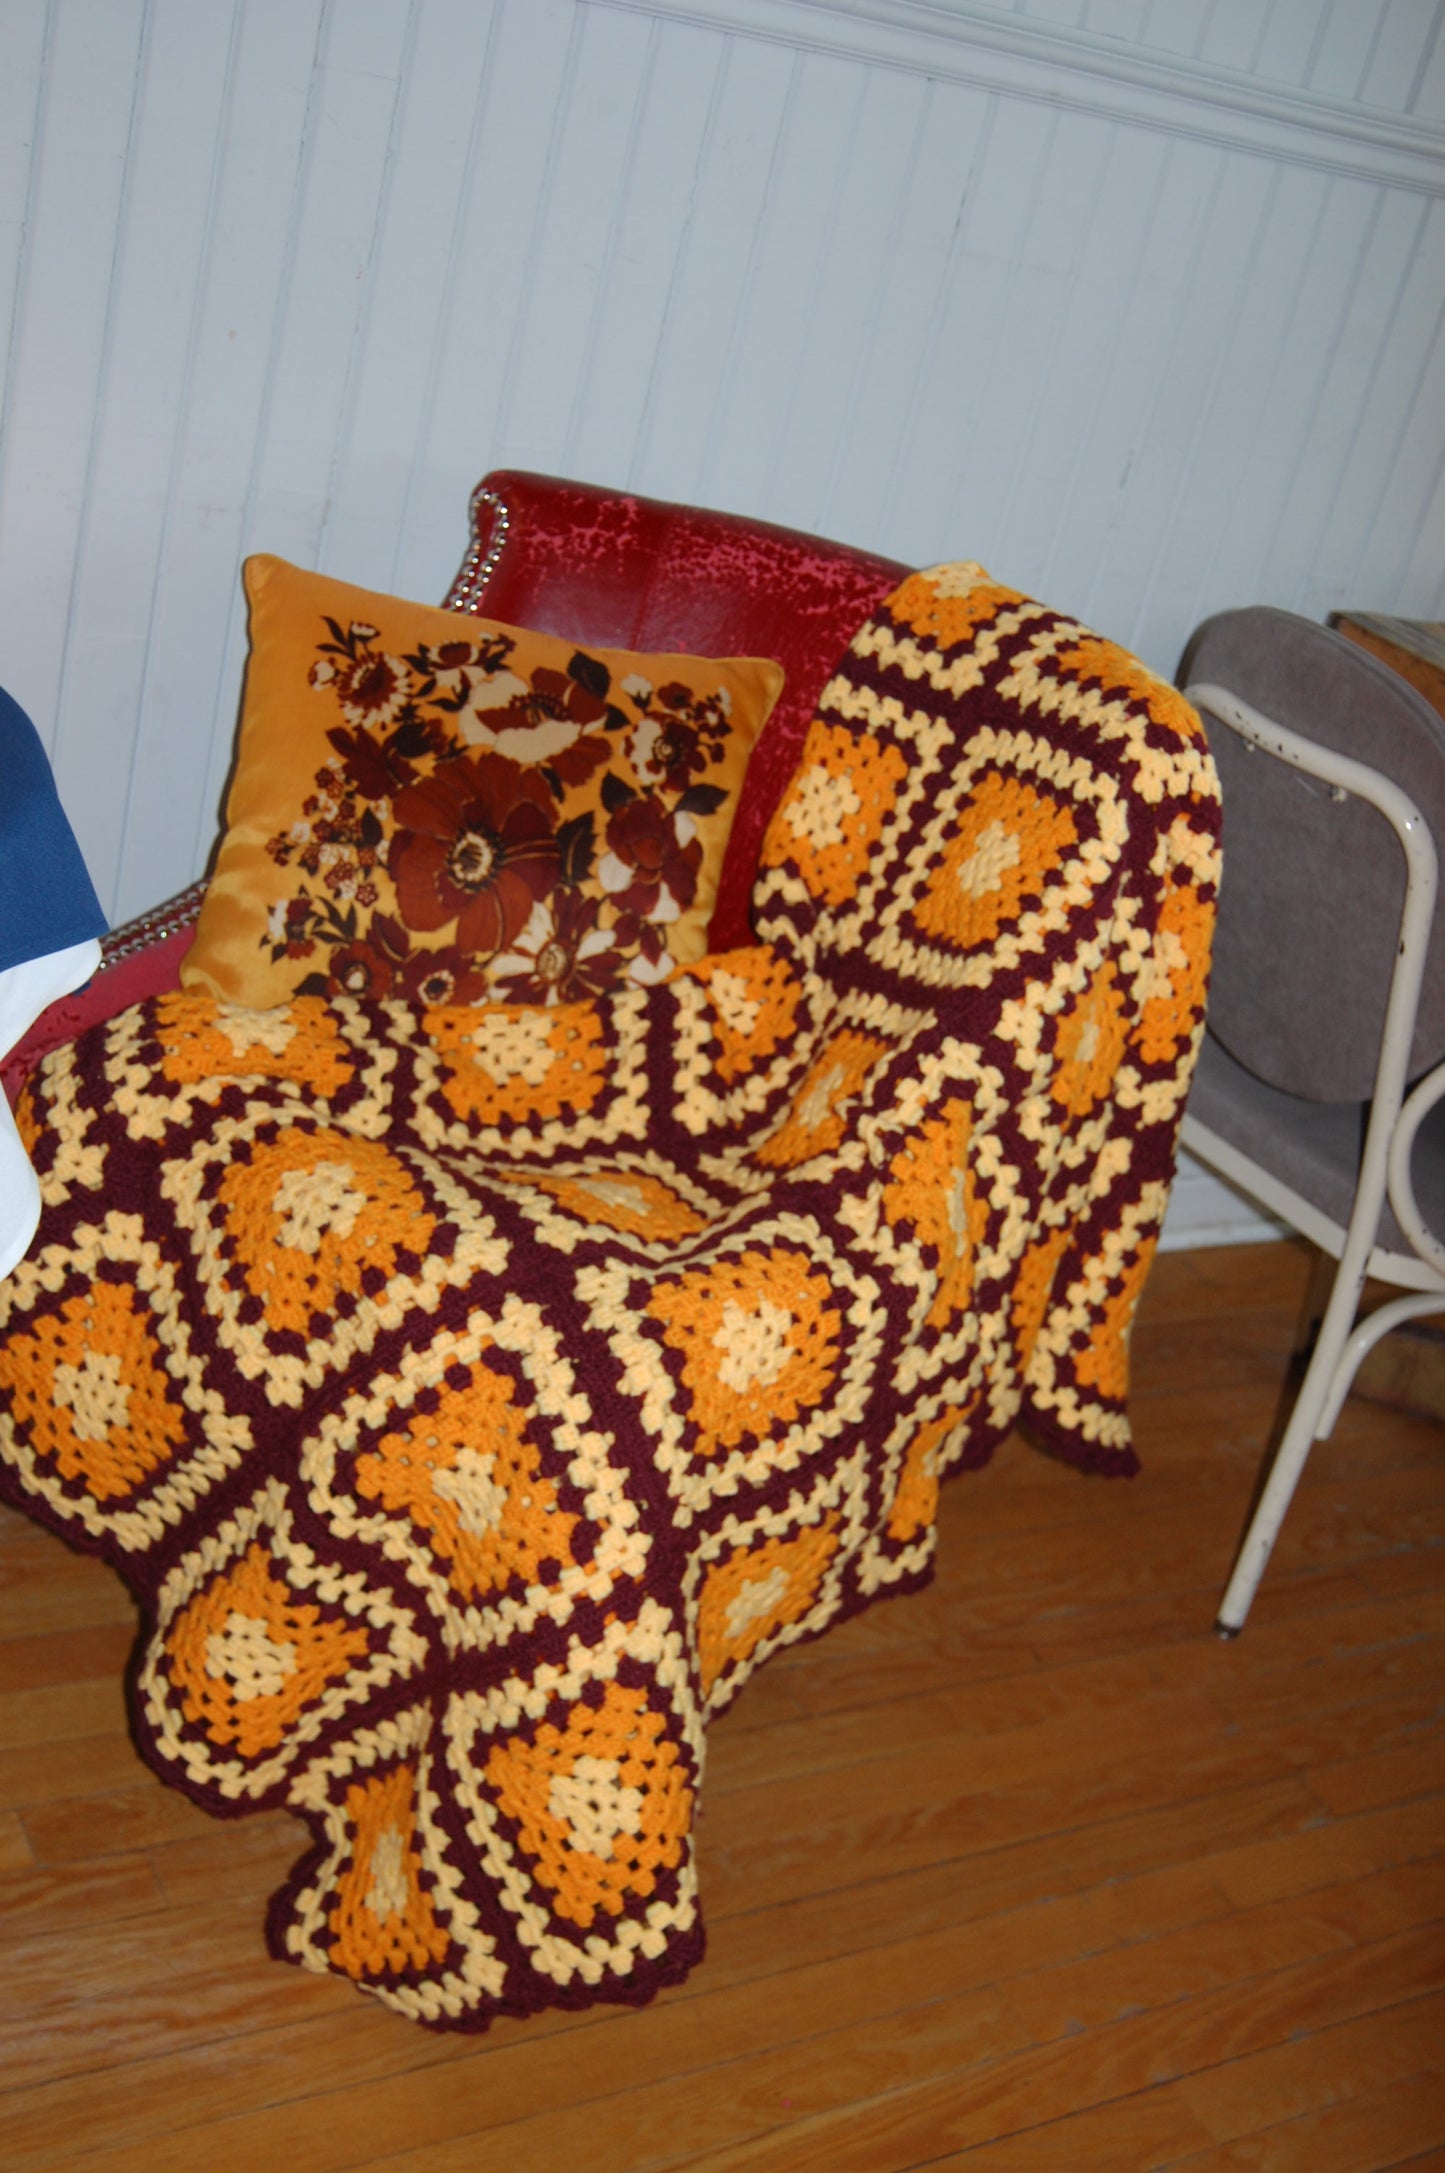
{"type": "Point", "coordinates": [1314, 1147]}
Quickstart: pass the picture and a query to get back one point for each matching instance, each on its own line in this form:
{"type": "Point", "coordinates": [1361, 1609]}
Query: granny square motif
{"type": "Point", "coordinates": [474, 1397]}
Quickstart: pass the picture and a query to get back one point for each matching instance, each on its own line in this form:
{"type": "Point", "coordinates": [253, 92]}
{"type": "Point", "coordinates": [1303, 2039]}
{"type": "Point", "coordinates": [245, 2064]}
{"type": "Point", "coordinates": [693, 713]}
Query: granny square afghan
{"type": "Point", "coordinates": [473, 1398]}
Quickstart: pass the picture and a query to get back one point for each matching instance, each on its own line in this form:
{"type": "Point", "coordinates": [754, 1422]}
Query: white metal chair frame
{"type": "Point", "coordinates": [1342, 1343]}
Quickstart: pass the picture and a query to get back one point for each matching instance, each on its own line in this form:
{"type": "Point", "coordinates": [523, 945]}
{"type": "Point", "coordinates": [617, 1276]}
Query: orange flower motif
{"type": "Point", "coordinates": [930, 1185]}
{"type": "Point", "coordinates": [755, 1002]}
{"type": "Point", "coordinates": [923, 604]}
{"type": "Point", "coordinates": [1091, 1041]}
{"type": "Point", "coordinates": [519, 1061]}
{"type": "Point", "coordinates": [248, 1657]}
{"type": "Point", "coordinates": [601, 1804]}
{"type": "Point", "coordinates": [627, 1200]}
{"type": "Point", "coordinates": [755, 1592]}
{"type": "Point", "coordinates": [1186, 929]}
{"type": "Point", "coordinates": [1008, 841]}
{"type": "Point", "coordinates": [89, 1385]}
{"type": "Point", "coordinates": [313, 1214]}
{"type": "Point", "coordinates": [832, 815]}
{"type": "Point", "coordinates": [203, 1039]}
{"type": "Point", "coordinates": [758, 1341]}
{"type": "Point", "coordinates": [815, 1123]}
{"type": "Point", "coordinates": [1116, 671]}
{"type": "Point", "coordinates": [468, 1477]}
{"type": "Point", "coordinates": [1104, 1361]}
{"type": "Point", "coordinates": [383, 1919]}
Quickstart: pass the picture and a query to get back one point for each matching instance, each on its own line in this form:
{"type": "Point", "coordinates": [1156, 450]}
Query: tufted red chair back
{"type": "Point", "coordinates": [637, 573]}
{"type": "Point", "coordinates": [631, 573]}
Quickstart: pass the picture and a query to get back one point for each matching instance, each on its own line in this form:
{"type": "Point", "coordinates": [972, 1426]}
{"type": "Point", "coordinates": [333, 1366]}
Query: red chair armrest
{"type": "Point", "coordinates": [141, 959]}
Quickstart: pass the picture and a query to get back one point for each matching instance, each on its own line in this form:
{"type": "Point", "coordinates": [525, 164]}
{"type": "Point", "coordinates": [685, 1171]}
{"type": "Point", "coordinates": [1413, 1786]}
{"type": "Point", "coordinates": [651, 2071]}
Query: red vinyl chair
{"type": "Point", "coordinates": [510, 1381]}
{"type": "Point", "coordinates": [604, 567]}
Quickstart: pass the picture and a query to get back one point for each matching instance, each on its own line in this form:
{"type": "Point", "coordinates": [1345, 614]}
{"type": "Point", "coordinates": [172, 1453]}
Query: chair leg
{"type": "Point", "coordinates": [1313, 1301]}
{"type": "Point", "coordinates": [1367, 1333]}
{"type": "Point", "coordinates": [1305, 1427]}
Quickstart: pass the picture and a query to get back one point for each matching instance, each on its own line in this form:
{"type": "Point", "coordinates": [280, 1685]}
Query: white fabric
{"type": "Point", "coordinates": [25, 991]}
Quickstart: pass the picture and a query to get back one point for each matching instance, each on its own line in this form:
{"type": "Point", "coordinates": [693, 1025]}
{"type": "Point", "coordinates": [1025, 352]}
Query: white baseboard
{"type": "Point", "coordinates": [1203, 1210]}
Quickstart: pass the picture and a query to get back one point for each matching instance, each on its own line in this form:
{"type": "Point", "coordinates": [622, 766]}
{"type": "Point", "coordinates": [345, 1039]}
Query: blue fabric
{"type": "Point", "coordinates": [47, 902]}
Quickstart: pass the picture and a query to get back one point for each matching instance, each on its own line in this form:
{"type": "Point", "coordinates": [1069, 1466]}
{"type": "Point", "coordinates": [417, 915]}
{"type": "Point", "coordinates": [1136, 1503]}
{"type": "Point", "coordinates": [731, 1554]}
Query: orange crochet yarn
{"type": "Point", "coordinates": [474, 1396]}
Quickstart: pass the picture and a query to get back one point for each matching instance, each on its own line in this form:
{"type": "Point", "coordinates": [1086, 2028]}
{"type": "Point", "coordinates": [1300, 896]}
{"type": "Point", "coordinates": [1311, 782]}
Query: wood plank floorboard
{"type": "Point", "coordinates": [1025, 1871]}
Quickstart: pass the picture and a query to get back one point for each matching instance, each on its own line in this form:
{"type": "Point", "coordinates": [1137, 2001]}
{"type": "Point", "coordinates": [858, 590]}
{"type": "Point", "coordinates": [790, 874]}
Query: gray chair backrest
{"type": "Point", "coordinates": [1309, 905]}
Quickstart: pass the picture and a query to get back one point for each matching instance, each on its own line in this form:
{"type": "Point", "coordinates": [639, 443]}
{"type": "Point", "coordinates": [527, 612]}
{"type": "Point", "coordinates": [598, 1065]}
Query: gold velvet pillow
{"type": "Point", "coordinates": [431, 805]}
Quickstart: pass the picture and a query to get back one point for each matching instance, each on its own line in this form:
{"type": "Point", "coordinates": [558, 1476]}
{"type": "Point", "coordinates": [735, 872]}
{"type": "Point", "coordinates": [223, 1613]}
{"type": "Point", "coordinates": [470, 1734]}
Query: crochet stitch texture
{"type": "Point", "coordinates": [474, 1398]}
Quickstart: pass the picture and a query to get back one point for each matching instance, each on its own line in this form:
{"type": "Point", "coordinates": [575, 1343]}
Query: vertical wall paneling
{"type": "Point", "coordinates": [325, 306]}
{"type": "Point", "coordinates": [1200, 459]}
{"type": "Point", "coordinates": [1108, 431]}
{"type": "Point", "coordinates": [914, 279]}
{"type": "Point", "coordinates": [1289, 40]}
{"type": "Point", "coordinates": [324, 290]}
{"type": "Point", "coordinates": [626, 129]}
{"type": "Point", "coordinates": [1139, 303]}
{"type": "Point", "coordinates": [1102, 269]}
{"type": "Point", "coordinates": [547, 238]}
{"type": "Point", "coordinates": [964, 123]}
{"type": "Point", "coordinates": [821, 415]}
{"type": "Point", "coordinates": [764, 353]}
{"type": "Point", "coordinates": [1250, 555]}
{"type": "Point", "coordinates": [682, 76]}
{"type": "Point", "coordinates": [1423, 581]}
{"type": "Point", "coordinates": [1038, 301]}
{"type": "Point", "coordinates": [1343, 57]}
{"type": "Point", "coordinates": [133, 466]}
{"type": "Point", "coordinates": [872, 284]}
{"type": "Point", "coordinates": [1176, 26]}
{"type": "Point", "coordinates": [413, 269]}
{"type": "Point", "coordinates": [1427, 94]}
{"type": "Point", "coordinates": [1254, 364]}
{"type": "Point", "coordinates": [1405, 31]}
{"type": "Point", "coordinates": [1342, 569]}
{"type": "Point", "coordinates": [308, 310]}
{"type": "Point", "coordinates": [1116, 18]}
{"type": "Point", "coordinates": [754, 85]}
{"type": "Point", "coordinates": [1245, 253]}
{"type": "Point", "coordinates": [1211, 213]}
{"type": "Point", "coordinates": [57, 349]}
{"type": "Point", "coordinates": [949, 415]}
{"type": "Point", "coordinates": [1232, 34]}
{"type": "Point", "coordinates": [1412, 473]}
{"type": "Point", "coordinates": [183, 731]}
{"type": "Point", "coordinates": [476, 318]}
{"type": "Point", "coordinates": [1410, 512]}
{"type": "Point", "coordinates": [593, 133]}
{"type": "Point", "coordinates": [1392, 224]}
{"type": "Point", "coordinates": [21, 81]}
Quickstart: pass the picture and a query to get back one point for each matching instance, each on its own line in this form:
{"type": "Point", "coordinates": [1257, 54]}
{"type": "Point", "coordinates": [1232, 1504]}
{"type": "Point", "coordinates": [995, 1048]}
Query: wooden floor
{"type": "Point", "coordinates": [1027, 1872]}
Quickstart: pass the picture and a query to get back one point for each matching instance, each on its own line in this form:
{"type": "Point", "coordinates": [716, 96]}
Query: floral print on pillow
{"type": "Point", "coordinates": [474, 811]}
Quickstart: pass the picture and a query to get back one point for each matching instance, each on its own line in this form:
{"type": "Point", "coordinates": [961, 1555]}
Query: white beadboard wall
{"type": "Point", "coordinates": [1139, 301]}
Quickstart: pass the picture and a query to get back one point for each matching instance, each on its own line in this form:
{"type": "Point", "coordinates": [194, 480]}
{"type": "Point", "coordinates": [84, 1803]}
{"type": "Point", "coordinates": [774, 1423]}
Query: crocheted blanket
{"type": "Point", "coordinates": [474, 1398]}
